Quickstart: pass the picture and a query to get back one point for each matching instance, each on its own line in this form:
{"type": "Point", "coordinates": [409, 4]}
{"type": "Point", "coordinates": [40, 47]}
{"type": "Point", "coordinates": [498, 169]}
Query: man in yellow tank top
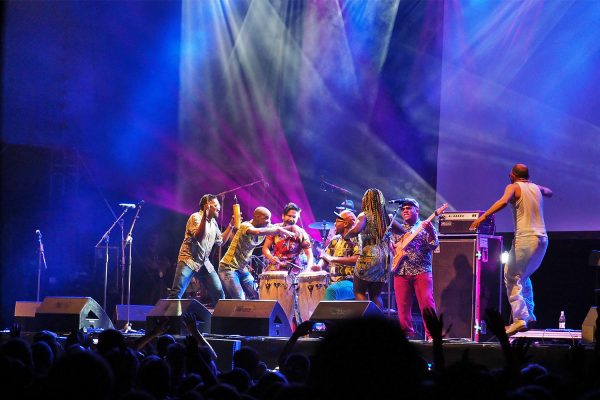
{"type": "Point", "coordinates": [529, 245]}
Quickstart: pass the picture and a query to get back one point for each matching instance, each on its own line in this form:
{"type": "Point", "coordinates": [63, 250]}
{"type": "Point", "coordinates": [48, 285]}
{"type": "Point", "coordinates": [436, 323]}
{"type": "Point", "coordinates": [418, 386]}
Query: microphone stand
{"type": "Point", "coordinates": [129, 241]}
{"type": "Point", "coordinates": [340, 189]}
{"type": "Point", "coordinates": [41, 260]}
{"type": "Point", "coordinates": [105, 238]}
{"type": "Point", "coordinates": [390, 277]}
{"type": "Point", "coordinates": [222, 196]}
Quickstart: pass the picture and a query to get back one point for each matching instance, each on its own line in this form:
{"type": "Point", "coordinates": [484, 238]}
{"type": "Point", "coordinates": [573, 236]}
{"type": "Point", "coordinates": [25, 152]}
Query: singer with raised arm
{"type": "Point", "coordinates": [412, 265]}
{"type": "Point", "coordinates": [372, 266]}
{"type": "Point", "coordinates": [233, 267]}
{"type": "Point", "coordinates": [201, 234]}
{"type": "Point", "coordinates": [287, 250]}
{"type": "Point", "coordinates": [529, 244]}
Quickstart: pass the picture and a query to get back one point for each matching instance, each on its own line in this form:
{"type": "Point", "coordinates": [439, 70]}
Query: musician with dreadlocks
{"type": "Point", "coordinates": [373, 261]}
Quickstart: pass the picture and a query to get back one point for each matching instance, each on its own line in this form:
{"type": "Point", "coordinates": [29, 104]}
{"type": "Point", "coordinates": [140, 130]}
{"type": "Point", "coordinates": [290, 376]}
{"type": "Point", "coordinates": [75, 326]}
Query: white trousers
{"type": "Point", "coordinates": [525, 258]}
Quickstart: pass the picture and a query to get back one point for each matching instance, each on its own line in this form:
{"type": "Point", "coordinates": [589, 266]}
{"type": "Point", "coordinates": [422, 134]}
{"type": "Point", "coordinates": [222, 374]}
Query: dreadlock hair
{"type": "Point", "coordinates": [373, 205]}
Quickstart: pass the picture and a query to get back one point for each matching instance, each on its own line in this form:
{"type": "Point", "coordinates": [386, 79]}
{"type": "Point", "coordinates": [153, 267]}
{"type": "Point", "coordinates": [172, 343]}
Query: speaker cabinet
{"type": "Point", "coordinates": [250, 318]}
{"type": "Point", "coordinates": [25, 315]}
{"type": "Point", "coordinates": [69, 314]}
{"type": "Point", "coordinates": [588, 328]}
{"type": "Point", "coordinates": [137, 315]}
{"type": "Point", "coordinates": [467, 279]}
{"type": "Point", "coordinates": [332, 311]}
{"type": "Point", "coordinates": [174, 309]}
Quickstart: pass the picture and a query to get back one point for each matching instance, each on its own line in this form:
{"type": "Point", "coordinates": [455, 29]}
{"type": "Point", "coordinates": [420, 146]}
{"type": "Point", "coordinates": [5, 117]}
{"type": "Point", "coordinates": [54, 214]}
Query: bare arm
{"type": "Point", "coordinates": [272, 230]}
{"type": "Point", "coordinates": [266, 250]}
{"type": "Point", "coordinates": [309, 257]}
{"type": "Point", "coordinates": [546, 192]}
{"type": "Point", "coordinates": [359, 225]}
{"type": "Point", "coordinates": [509, 194]}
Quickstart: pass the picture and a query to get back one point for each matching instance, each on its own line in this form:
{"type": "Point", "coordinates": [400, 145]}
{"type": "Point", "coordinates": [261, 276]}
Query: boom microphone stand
{"type": "Point", "coordinates": [105, 238]}
{"type": "Point", "coordinates": [388, 233]}
{"type": "Point", "coordinates": [129, 241]}
{"type": "Point", "coordinates": [41, 260]}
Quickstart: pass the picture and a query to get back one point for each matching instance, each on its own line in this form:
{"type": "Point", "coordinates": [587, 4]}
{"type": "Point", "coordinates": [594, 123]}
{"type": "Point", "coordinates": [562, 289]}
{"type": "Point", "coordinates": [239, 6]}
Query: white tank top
{"type": "Point", "coordinates": [528, 211]}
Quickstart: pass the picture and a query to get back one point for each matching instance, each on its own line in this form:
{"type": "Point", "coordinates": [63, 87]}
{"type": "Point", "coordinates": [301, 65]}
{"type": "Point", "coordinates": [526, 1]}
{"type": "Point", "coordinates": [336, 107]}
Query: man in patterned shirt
{"type": "Point", "coordinates": [286, 250]}
{"type": "Point", "coordinates": [233, 268]}
{"type": "Point", "coordinates": [201, 234]}
{"type": "Point", "coordinates": [414, 271]}
{"type": "Point", "coordinates": [339, 259]}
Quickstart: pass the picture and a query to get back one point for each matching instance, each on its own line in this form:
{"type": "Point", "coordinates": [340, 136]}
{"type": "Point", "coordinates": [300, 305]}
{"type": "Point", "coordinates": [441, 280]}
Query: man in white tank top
{"type": "Point", "coordinates": [529, 245]}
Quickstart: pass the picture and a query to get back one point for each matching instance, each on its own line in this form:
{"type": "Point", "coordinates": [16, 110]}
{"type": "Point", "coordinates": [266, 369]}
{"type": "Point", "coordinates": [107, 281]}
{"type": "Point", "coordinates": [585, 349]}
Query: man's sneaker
{"type": "Point", "coordinates": [517, 326]}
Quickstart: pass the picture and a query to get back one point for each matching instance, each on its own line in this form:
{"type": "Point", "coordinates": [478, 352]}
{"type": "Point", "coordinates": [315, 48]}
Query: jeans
{"type": "Point", "coordinates": [210, 280]}
{"type": "Point", "coordinates": [404, 285]}
{"type": "Point", "coordinates": [524, 259]}
{"type": "Point", "coordinates": [341, 290]}
{"type": "Point", "coordinates": [238, 284]}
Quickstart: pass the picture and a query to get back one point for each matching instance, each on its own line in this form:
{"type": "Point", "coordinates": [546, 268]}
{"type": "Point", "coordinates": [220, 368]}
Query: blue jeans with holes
{"type": "Point", "coordinates": [210, 280]}
{"type": "Point", "coordinates": [238, 284]}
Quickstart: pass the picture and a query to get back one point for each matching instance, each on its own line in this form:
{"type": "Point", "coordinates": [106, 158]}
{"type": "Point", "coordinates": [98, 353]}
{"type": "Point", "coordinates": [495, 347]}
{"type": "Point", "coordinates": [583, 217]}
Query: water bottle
{"type": "Point", "coordinates": [562, 320]}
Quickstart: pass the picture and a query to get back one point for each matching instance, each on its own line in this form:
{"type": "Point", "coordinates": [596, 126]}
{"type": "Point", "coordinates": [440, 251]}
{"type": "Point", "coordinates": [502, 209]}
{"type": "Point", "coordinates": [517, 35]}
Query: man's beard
{"type": "Point", "coordinates": [289, 223]}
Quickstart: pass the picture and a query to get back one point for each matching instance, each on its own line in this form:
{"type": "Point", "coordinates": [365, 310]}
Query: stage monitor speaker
{"type": "Point", "coordinates": [332, 311]}
{"type": "Point", "coordinates": [174, 309]}
{"type": "Point", "coordinates": [467, 279]}
{"type": "Point", "coordinates": [250, 318]}
{"type": "Point", "coordinates": [25, 315]}
{"type": "Point", "coordinates": [588, 328]}
{"type": "Point", "coordinates": [69, 314]}
{"type": "Point", "coordinates": [137, 315]}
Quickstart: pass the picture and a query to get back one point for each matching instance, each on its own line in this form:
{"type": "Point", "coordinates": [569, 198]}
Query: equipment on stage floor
{"type": "Point", "coordinates": [458, 223]}
{"type": "Point", "coordinates": [25, 315]}
{"type": "Point", "coordinates": [467, 279]}
{"type": "Point", "coordinates": [331, 311]}
{"type": "Point", "coordinates": [588, 328]}
{"type": "Point", "coordinates": [69, 314]}
{"type": "Point", "coordinates": [174, 309]}
{"type": "Point", "coordinates": [137, 316]}
{"type": "Point", "coordinates": [250, 318]}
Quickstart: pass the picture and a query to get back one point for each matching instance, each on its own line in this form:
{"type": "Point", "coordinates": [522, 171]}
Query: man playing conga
{"type": "Point", "coordinates": [286, 250]}
{"type": "Point", "coordinates": [339, 259]}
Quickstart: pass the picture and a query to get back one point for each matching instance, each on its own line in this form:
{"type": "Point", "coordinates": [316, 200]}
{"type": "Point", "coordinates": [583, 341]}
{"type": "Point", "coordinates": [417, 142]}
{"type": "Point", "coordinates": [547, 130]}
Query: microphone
{"type": "Point", "coordinates": [38, 233]}
{"type": "Point", "coordinates": [397, 201]}
{"type": "Point", "coordinates": [127, 205]}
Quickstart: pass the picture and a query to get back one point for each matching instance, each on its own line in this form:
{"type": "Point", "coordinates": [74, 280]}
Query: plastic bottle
{"type": "Point", "coordinates": [562, 320]}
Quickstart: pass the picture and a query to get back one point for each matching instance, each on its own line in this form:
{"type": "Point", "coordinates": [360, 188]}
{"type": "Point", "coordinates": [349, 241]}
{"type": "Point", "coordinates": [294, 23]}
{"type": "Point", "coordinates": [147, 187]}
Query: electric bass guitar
{"type": "Point", "coordinates": [408, 237]}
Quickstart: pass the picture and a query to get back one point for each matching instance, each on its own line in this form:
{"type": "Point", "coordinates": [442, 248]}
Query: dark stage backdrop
{"type": "Point", "coordinates": [109, 102]}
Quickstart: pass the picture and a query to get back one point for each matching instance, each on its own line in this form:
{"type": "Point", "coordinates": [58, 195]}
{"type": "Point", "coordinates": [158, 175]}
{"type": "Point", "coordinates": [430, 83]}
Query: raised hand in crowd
{"type": "Point", "coordinates": [435, 326]}
{"type": "Point", "coordinates": [196, 364]}
{"type": "Point", "coordinates": [189, 319]}
{"type": "Point", "coordinates": [160, 329]}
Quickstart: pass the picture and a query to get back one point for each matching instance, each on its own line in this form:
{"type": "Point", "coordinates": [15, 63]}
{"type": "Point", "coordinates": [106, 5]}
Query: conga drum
{"type": "Point", "coordinates": [311, 290]}
{"type": "Point", "coordinates": [276, 285]}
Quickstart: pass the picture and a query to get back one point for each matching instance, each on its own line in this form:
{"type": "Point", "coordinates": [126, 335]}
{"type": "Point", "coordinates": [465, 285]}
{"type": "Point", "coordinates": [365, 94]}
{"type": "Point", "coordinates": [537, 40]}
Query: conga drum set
{"type": "Point", "coordinates": [297, 290]}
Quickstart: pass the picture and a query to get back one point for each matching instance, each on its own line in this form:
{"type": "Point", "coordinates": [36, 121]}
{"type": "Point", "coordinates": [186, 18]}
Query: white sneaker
{"type": "Point", "coordinates": [517, 326]}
